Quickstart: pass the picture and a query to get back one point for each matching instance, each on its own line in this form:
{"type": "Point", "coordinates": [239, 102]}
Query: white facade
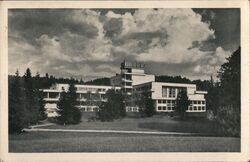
{"type": "Point", "coordinates": [52, 95]}
{"type": "Point", "coordinates": [132, 80]}
{"type": "Point", "coordinates": [164, 95]}
{"type": "Point", "coordinates": [131, 74]}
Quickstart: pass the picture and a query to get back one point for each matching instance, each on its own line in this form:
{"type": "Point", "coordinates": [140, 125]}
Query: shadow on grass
{"type": "Point", "coordinates": [199, 126]}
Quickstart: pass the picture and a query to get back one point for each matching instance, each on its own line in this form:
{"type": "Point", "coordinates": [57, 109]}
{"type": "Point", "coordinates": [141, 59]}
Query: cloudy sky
{"type": "Point", "coordinates": [89, 44]}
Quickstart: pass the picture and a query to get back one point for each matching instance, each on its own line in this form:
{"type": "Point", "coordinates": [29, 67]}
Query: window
{"type": "Point", "coordinates": [203, 107]}
{"type": "Point", "coordinates": [164, 107]}
{"type": "Point", "coordinates": [195, 107]}
{"type": "Point", "coordinates": [199, 107]}
{"type": "Point", "coordinates": [159, 101]}
{"type": "Point", "coordinates": [159, 108]}
{"type": "Point", "coordinates": [164, 101]}
{"type": "Point", "coordinates": [172, 92]}
{"type": "Point", "coordinates": [203, 102]}
{"type": "Point", "coordinates": [199, 102]}
{"type": "Point", "coordinates": [129, 83]}
{"type": "Point", "coordinates": [195, 102]}
{"type": "Point", "coordinates": [53, 95]}
{"type": "Point", "coordinates": [164, 91]}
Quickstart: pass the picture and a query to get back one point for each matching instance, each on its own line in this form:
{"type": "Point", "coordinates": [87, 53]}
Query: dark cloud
{"type": "Point", "coordinates": [112, 27]}
{"type": "Point", "coordinates": [121, 11]}
{"type": "Point", "coordinates": [32, 23]}
{"type": "Point", "coordinates": [226, 23]}
{"type": "Point", "coordinates": [91, 43]}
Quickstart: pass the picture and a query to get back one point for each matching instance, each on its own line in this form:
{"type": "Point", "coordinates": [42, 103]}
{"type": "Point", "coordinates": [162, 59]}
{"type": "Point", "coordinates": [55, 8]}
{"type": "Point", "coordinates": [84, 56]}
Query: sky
{"type": "Point", "coordinates": [91, 43]}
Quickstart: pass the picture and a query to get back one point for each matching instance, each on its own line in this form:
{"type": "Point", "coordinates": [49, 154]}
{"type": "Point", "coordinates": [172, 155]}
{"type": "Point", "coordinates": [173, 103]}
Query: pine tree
{"type": "Point", "coordinates": [149, 107]}
{"type": "Point", "coordinates": [229, 75]}
{"type": "Point", "coordinates": [76, 114]}
{"type": "Point", "coordinates": [17, 111]}
{"type": "Point", "coordinates": [63, 107]}
{"type": "Point", "coordinates": [146, 105]}
{"type": "Point", "coordinates": [229, 105]}
{"type": "Point", "coordinates": [69, 113]}
{"type": "Point", "coordinates": [114, 108]}
{"type": "Point", "coordinates": [31, 98]}
{"type": "Point", "coordinates": [182, 103]}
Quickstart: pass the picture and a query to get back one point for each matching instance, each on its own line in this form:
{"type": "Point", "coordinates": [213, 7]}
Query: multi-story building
{"type": "Point", "coordinates": [133, 81]}
{"type": "Point", "coordinates": [131, 74]}
{"type": "Point", "coordinates": [164, 95]}
{"type": "Point", "coordinates": [88, 95]}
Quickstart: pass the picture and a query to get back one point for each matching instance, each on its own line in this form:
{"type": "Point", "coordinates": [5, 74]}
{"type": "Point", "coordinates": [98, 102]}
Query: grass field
{"type": "Point", "coordinates": [111, 142]}
{"type": "Point", "coordinates": [162, 123]}
{"type": "Point", "coordinates": [114, 142]}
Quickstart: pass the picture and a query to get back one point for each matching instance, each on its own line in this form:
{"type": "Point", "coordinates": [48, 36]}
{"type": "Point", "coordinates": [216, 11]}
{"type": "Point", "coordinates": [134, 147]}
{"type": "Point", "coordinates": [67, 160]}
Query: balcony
{"type": "Point", "coordinates": [51, 99]}
{"type": "Point", "coordinates": [126, 80]}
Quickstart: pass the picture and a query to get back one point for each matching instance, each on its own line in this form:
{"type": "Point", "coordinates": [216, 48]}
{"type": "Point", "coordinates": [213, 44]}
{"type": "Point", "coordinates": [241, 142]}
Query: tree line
{"type": "Point", "coordinates": [26, 105]}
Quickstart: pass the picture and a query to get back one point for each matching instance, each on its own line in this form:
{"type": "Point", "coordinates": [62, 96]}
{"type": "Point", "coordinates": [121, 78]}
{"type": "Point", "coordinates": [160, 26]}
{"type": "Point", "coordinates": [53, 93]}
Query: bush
{"type": "Point", "coordinates": [229, 120]}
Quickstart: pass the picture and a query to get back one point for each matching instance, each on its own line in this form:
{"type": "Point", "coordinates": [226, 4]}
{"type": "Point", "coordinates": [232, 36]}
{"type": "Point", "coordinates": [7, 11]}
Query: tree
{"type": "Point", "coordinates": [31, 98]}
{"type": "Point", "coordinates": [114, 108]}
{"type": "Point", "coordinates": [182, 103]}
{"type": "Point", "coordinates": [149, 107]}
{"type": "Point", "coordinates": [99, 81]}
{"type": "Point", "coordinates": [93, 99]}
{"type": "Point", "coordinates": [69, 113]}
{"type": "Point", "coordinates": [229, 75]}
{"type": "Point", "coordinates": [17, 111]}
{"type": "Point", "coordinates": [63, 107]}
{"type": "Point", "coordinates": [76, 113]}
{"type": "Point", "coordinates": [146, 105]}
{"type": "Point", "coordinates": [41, 104]}
{"type": "Point", "coordinates": [229, 105]}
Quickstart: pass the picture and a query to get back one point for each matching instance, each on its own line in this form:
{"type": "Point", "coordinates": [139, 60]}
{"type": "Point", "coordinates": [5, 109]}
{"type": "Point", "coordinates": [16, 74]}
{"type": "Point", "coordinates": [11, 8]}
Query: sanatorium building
{"type": "Point", "coordinates": [132, 81]}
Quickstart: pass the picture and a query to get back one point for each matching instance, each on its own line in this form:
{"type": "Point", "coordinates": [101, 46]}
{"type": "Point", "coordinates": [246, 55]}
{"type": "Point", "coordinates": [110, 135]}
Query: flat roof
{"type": "Point", "coordinates": [88, 85]}
{"type": "Point", "coordinates": [169, 84]}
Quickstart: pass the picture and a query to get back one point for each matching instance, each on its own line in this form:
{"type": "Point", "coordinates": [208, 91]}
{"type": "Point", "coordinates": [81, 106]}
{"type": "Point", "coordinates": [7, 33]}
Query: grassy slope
{"type": "Point", "coordinates": [111, 142]}
{"type": "Point", "coordinates": [157, 123]}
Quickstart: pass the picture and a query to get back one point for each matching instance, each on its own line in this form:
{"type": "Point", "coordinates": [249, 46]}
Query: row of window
{"type": "Point", "coordinates": [170, 92]}
{"type": "Point", "coordinates": [132, 109]}
{"type": "Point", "coordinates": [195, 108]}
{"type": "Point", "coordinates": [80, 95]}
{"type": "Point", "coordinates": [173, 101]}
{"type": "Point", "coordinates": [166, 101]}
{"type": "Point", "coordinates": [143, 88]}
{"type": "Point", "coordinates": [127, 77]}
{"type": "Point", "coordinates": [127, 83]}
{"type": "Point", "coordinates": [160, 108]}
{"type": "Point", "coordinates": [91, 89]}
{"type": "Point", "coordinates": [190, 108]}
{"type": "Point", "coordinates": [198, 102]}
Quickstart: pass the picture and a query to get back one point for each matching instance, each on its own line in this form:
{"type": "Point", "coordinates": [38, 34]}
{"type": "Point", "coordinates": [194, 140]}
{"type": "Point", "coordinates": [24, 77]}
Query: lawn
{"type": "Point", "coordinates": [207, 140]}
{"type": "Point", "coordinates": [159, 122]}
{"type": "Point", "coordinates": [112, 142]}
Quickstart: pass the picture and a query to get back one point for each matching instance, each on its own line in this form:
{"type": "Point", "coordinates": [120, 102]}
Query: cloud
{"type": "Point", "coordinates": [91, 43]}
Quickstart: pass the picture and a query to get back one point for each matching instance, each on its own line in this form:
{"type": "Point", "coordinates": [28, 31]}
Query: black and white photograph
{"type": "Point", "coordinates": [124, 80]}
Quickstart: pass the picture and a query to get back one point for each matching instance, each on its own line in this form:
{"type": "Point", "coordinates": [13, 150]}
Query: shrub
{"type": "Point", "coordinates": [229, 120]}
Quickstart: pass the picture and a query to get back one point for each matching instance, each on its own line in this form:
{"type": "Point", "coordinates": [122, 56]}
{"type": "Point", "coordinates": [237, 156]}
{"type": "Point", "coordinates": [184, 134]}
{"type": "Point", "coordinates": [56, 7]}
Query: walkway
{"type": "Point", "coordinates": [41, 125]}
{"type": "Point", "coordinates": [108, 131]}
